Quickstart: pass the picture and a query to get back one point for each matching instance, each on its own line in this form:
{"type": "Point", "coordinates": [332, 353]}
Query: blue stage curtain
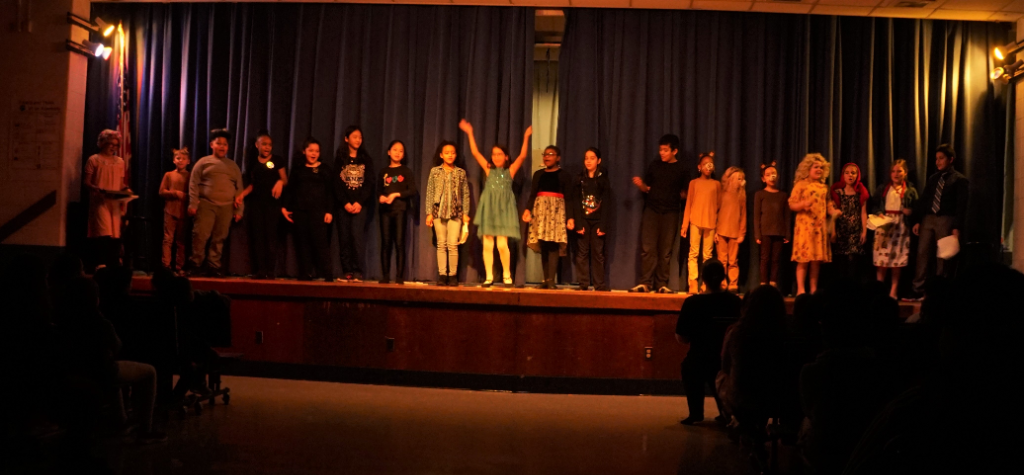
{"type": "Point", "coordinates": [400, 72]}
{"type": "Point", "coordinates": [757, 88]}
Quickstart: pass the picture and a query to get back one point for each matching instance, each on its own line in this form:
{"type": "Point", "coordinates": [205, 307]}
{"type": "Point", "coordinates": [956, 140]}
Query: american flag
{"type": "Point", "coordinates": [124, 112]}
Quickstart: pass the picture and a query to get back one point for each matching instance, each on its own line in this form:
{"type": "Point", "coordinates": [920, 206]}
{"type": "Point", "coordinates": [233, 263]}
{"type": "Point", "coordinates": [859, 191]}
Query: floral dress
{"type": "Point", "coordinates": [892, 242]}
{"type": "Point", "coordinates": [848, 226]}
{"type": "Point", "coordinates": [810, 235]}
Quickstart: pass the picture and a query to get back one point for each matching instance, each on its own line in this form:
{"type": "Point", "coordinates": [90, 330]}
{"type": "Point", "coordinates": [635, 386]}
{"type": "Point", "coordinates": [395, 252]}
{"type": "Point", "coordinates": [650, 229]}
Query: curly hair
{"type": "Point", "coordinates": [803, 171]}
{"type": "Point", "coordinates": [106, 136]}
{"type": "Point", "coordinates": [728, 174]}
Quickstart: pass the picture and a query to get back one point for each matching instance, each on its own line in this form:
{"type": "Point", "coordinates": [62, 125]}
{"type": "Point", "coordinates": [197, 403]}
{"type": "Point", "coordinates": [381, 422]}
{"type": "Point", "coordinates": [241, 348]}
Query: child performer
{"type": "Point", "coordinates": [447, 204]}
{"type": "Point", "coordinates": [497, 216]}
{"type": "Point", "coordinates": [352, 193]}
{"type": "Point", "coordinates": [771, 223]}
{"type": "Point", "coordinates": [663, 187]}
{"type": "Point", "coordinates": [104, 174]}
{"type": "Point", "coordinates": [265, 180]}
{"type": "Point", "coordinates": [398, 186]}
{"type": "Point", "coordinates": [589, 220]}
{"type": "Point", "coordinates": [308, 205]}
{"type": "Point", "coordinates": [174, 191]}
{"type": "Point", "coordinates": [850, 197]}
{"type": "Point", "coordinates": [700, 217]}
{"type": "Point", "coordinates": [892, 243]}
{"type": "Point", "coordinates": [732, 223]}
{"type": "Point", "coordinates": [546, 214]}
{"type": "Point", "coordinates": [810, 237]}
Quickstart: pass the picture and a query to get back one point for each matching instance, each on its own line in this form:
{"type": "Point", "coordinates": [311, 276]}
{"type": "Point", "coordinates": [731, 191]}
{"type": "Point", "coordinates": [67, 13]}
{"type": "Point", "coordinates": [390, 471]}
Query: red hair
{"type": "Point", "coordinates": [862, 192]}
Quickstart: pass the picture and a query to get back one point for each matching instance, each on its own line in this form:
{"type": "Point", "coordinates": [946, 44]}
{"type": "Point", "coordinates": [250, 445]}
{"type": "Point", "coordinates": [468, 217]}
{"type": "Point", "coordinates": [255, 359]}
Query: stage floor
{"type": "Point", "coordinates": [518, 339]}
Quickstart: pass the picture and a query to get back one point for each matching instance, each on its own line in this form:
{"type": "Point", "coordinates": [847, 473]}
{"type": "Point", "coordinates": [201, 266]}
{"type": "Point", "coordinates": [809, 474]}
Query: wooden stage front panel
{"type": "Point", "coordinates": [461, 330]}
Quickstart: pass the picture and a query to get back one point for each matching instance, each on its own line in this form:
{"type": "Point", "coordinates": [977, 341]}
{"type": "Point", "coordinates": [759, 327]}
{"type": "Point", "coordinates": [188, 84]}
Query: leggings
{"type": "Point", "coordinates": [503, 253]}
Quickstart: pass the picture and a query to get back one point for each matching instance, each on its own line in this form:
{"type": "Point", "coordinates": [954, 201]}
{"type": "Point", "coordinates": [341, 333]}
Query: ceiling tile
{"type": "Point", "coordinates": [719, 5]}
{"type": "Point", "coordinates": [1016, 6]}
{"type": "Point", "coordinates": [541, 3]}
{"type": "Point", "coordinates": [601, 3]}
{"type": "Point", "coordinates": [672, 4]}
{"type": "Point", "coordinates": [852, 3]}
{"type": "Point", "coordinates": [1006, 16]}
{"type": "Point", "coordinates": [772, 7]}
{"type": "Point", "coordinates": [942, 14]}
{"type": "Point", "coordinates": [841, 11]}
{"type": "Point", "coordinates": [902, 12]}
{"type": "Point", "coordinates": [976, 5]}
{"type": "Point", "coordinates": [479, 2]}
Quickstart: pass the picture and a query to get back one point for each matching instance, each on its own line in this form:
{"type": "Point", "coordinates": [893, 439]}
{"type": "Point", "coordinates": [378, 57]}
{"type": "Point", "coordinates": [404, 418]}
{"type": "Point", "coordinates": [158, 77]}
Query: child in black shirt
{"type": "Point", "coordinates": [265, 179]}
{"type": "Point", "coordinates": [308, 204]}
{"type": "Point", "coordinates": [353, 188]}
{"type": "Point", "coordinates": [398, 186]}
{"type": "Point", "coordinates": [590, 220]}
{"type": "Point", "coordinates": [665, 187]}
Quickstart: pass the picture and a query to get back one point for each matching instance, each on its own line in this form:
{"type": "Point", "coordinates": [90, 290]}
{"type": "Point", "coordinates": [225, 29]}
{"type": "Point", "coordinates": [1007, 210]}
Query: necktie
{"type": "Point", "coordinates": [936, 201]}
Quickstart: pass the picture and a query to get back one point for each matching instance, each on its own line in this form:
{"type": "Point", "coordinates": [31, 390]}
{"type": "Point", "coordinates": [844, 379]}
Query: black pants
{"type": "Point", "coordinates": [392, 234]}
{"type": "Point", "coordinates": [771, 256]}
{"type": "Point", "coordinates": [590, 257]}
{"type": "Point", "coordinates": [932, 229]}
{"type": "Point", "coordinates": [658, 232]}
{"type": "Point", "coordinates": [263, 219]}
{"type": "Point", "coordinates": [549, 254]}
{"type": "Point", "coordinates": [698, 371]}
{"type": "Point", "coordinates": [311, 246]}
{"type": "Point", "coordinates": [351, 240]}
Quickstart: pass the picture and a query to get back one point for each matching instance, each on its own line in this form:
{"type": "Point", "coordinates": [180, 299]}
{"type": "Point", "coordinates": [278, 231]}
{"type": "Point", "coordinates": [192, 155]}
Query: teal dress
{"type": "Point", "coordinates": [497, 213]}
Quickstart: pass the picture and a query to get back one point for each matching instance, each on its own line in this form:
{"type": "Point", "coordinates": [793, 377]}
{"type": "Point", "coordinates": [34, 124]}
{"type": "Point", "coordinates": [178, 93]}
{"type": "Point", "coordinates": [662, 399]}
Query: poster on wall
{"type": "Point", "coordinates": [35, 135]}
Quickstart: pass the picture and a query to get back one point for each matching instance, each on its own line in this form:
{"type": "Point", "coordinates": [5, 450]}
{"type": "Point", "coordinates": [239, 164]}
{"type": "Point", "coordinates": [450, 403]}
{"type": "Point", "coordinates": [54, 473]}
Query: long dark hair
{"type": "Point", "coordinates": [341, 155]}
{"type": "Point", "coordinates": [438, 161]}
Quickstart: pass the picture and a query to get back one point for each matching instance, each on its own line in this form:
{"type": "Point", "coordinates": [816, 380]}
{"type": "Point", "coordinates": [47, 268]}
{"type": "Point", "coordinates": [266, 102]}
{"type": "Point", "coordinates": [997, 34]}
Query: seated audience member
{"type": "Point", "coordinates": [849, 382]}
{"type": "Point", "coordinates": [121, 309]}
{"type": "Point", "coordinates": [91, 345]}
{"type": "Point", "coordinates": [930, 428]}
{"type": "Point", "coordinates": [752, 357]}
{"type": "Point", "coordinates": [803, 343]}
{"type": "Point", "coordinates": [702, 324]}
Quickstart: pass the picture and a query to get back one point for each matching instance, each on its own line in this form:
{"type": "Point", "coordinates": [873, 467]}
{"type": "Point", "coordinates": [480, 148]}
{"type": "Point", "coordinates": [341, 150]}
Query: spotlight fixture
{"type": "Point", "coordinates": [98, 26]}
{"type": "Point", "coordinates": [1003, 52]}
{"type": "Point", "coordinates": [89, 48]}
{"type": "Point", "coordinates": [1006, 72]}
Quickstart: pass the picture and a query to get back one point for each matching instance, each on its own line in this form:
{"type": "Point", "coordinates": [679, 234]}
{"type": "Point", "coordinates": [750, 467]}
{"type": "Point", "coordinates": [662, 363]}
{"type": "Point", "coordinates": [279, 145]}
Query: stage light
{"type": "Point", "coordinates": [1003, 52]}
{"type": "Point", "coordinates": [105, 28]}
{"type": "Point", "coordinates": [98, 26]}
{"type": "Point", "coordinates": [89, 48]}
{"type": "Point", "coordinates": [1006, 72]}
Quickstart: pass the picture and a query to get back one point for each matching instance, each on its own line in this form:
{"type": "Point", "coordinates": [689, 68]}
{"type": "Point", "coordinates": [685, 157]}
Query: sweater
{"type": "Point", "coordinates": [400, 180]}
{"type": "Point", "coordinates": [772, 216]}
{"type": "Point", "coordinates": [216, 181]}
{"type": "Point", "coordinates": [732, 215]}
{"type": "Point", "coordinates": [703, 198]}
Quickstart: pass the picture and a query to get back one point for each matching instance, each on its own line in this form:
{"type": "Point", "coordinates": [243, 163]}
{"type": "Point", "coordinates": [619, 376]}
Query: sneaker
{"type": "Point", "coordinates": [384, 281]}
{"type": "Point", "coordinates": [665, 290]}
{"type": "Point", "coordinates": [442, 280]}
{"type": "Point", "coordinates": [152, 437]}
{"type": "Point", "coordinates": [453, 281]}
{"type": "Point", "coordinates": [640, 288]}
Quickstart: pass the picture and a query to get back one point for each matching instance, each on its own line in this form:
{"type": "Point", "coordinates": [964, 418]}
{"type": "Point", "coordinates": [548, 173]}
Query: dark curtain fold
{"type": "Point", "coordinates": [757, 88]}
{"type": "Point", "coordinates": [400, 72]}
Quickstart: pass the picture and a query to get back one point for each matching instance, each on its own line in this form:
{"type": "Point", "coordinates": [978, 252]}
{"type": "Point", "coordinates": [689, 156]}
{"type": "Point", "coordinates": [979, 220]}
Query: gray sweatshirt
{"type": "Point", "coordinates": [215, 181]}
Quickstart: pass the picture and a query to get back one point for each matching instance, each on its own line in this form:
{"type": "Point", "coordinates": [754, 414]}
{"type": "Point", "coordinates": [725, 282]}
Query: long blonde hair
{"type": "Point", "coordinates": [803, 171]}
{"type": "Point", "coordinates": [742, 190]}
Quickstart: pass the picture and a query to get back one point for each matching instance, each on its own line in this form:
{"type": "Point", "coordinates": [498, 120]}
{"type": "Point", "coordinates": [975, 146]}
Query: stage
{"type": "Point", "coordinates": [519, 339]}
